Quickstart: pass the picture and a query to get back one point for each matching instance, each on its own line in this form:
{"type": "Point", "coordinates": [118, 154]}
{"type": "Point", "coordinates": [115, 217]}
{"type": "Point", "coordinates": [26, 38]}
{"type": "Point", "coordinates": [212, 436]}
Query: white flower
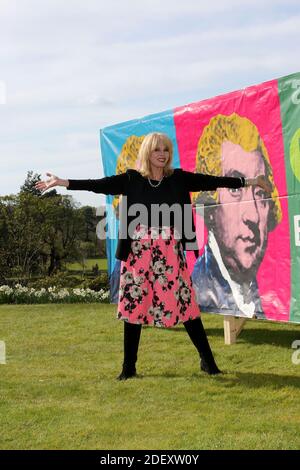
{"type": "Point", "coordinates": [176, 249]}
{"type": "Point", "coordinates": [76, 291]}
{"type": "Point", "coordinates": [135, 292]}
{"type": "Point", "coordinates": [185, 294]}
{"type": "Point", "coordinates": [162, 279]}
{"type": "Point", "coordinates": [159, 267]}
{"type": "Point", "coordinates": [20, 289]}
{"type": "Point", "coordinates": [151, 311]}
{"type": "Point", "coordinates": [51, 289]}
{"type": "Point", "coordinates": [139, 279]}
{"type": "Point", "coordinates": [154, 233]}
{"type": "Point", "coordinates": [177, 234]}
{"type": "Point", "coordinates": [139, 233]}
{"type": "Point", "coordinates": [6, 289]}
{"type": "Point", "coordinates": [53, 293]}
{"type": "Point", "coordinates": [166, 233]}
{"type": "Point", "coordinates": [128, 277]}
{"type": "Point", "coordinates": [136, 247]}
{"type": "Point", "coordinates": [63, 293]}
{"type": "Point", "coordinates": [155, 312]}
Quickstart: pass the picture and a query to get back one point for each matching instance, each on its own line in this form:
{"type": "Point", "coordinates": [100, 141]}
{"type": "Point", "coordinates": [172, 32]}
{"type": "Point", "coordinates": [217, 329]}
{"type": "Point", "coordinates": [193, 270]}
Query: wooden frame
{"type": "Point", "coordinates": [232, 328]}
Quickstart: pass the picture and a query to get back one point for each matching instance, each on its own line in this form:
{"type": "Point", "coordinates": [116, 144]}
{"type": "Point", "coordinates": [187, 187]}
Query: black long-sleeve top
{"type": "Point", "coordinates": [173, 189]}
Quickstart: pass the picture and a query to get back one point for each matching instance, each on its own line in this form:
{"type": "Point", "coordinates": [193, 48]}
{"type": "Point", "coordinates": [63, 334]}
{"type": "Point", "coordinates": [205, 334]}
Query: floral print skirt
{"type": "Point", "coordinates": [155, 284]}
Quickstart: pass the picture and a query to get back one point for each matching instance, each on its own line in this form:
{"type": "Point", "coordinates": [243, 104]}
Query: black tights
{"type": "Point", "coordinates": [196, 332]}
{"type": "Point", "coordinates": [198, 336]}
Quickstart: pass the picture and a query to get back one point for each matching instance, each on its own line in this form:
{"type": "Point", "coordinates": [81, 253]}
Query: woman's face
{"type": "Point", "coordinates": [160, 155]}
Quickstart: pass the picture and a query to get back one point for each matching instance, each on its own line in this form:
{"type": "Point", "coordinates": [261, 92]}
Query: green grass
{"type": "Point", "coordinates": [89, 263]}
{"type": "Point", "coordinates": [58, 389]}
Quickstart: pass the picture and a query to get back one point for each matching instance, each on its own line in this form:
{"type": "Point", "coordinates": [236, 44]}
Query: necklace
{"type": "Point", "coordinates": [155, 185]}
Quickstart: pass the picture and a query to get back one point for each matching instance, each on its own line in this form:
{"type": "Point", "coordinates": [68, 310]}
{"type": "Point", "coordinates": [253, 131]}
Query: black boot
{"type": "Point", "coordinates": [198, 336]}
{"type": "Point", "coordinates": [132, 333]}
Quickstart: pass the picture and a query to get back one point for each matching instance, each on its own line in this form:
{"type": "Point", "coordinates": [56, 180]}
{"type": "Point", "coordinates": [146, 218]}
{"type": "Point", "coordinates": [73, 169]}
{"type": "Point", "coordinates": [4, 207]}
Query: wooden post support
{"type": "Point", "coordinates": [2, 353]}
{"type": "Point", "coordinates": [232, 328]}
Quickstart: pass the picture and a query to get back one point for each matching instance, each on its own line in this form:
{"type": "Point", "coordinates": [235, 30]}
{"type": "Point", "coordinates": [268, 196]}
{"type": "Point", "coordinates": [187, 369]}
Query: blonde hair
{"type": "Point", "coordinates": [127, 159]}
{"type": "Point", "coordinates": [149, 144]}
{"type": "Point", "coordinates": [241, 131]}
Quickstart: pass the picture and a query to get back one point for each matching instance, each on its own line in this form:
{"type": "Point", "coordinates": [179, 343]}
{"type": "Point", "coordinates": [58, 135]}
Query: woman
{"type": "Point", "coordinates": [155, 284]}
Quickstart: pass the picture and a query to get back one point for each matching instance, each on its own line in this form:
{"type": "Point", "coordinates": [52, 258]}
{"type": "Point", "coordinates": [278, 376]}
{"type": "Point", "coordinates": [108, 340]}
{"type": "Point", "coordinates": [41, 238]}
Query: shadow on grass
{"type": "Point", "coordinates": [257, 380]}
{"type": "Point", "coordinates": [261, 335]}
{"type": "Point", "coordinates": [248, 379]}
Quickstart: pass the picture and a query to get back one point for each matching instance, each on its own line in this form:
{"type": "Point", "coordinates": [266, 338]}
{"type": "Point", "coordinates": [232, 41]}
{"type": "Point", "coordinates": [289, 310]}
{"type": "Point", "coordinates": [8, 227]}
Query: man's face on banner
{"type": "Point", "coordinates": [241, 219]}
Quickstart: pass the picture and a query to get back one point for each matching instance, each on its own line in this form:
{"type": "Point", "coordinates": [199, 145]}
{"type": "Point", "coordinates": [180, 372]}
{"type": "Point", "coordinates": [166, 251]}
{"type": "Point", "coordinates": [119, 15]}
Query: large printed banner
{"type": "Point", "coordinates": [249, 243]}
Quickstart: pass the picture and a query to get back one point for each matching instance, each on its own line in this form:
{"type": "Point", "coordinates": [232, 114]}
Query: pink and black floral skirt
{"type": "Point", "coordinates": [155, 284]}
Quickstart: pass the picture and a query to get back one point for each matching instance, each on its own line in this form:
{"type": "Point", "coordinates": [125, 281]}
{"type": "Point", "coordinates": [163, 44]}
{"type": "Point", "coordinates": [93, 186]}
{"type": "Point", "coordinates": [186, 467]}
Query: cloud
{"type": "Point", "coordinates": [72, 68]}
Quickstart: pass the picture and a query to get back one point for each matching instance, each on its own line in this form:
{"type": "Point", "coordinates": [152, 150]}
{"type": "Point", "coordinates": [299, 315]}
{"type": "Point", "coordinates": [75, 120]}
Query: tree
{"type": "Point", "coordinates": [90, 224]}
{"type": "Point", "coordinates": [20, 239]}
{"type": "Point", "coordinates": [38, 232]}
{"type": "Point", "coordinates": [4, 238]}
{"type": "Point", "coordinates": [62, 229]}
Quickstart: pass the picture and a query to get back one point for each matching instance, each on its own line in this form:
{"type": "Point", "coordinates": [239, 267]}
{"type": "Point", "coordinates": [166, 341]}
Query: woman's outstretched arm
{"type": "Point", "coordinates": [115, 184]}
{"type": "Point", "coordinates": [201, 182]}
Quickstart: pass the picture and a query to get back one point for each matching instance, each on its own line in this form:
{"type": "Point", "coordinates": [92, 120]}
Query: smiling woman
{"type": "Point", "coordinates": [155, 284]}
{"type": "Point", "coordinates": [156, 157]}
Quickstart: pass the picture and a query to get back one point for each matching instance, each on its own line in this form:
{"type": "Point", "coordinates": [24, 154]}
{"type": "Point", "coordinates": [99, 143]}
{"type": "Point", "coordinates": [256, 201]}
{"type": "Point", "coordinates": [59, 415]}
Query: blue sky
{"type": "Point", "coordinates": [70, 68]}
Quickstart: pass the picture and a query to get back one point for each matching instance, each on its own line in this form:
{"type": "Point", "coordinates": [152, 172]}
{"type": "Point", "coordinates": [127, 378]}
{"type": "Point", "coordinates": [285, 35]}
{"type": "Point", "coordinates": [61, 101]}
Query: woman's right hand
{"type": "Point", "coordinates": [50, 183]}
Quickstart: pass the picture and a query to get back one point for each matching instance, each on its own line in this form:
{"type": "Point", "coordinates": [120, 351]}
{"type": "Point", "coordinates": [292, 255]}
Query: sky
{"type": "Point", "coordinates": [68, 69]}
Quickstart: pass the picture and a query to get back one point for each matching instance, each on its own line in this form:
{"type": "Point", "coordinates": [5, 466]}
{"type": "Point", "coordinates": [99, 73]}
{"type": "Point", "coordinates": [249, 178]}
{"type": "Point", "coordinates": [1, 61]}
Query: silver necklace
{"type": "Point", "coordinates": [155, 185]}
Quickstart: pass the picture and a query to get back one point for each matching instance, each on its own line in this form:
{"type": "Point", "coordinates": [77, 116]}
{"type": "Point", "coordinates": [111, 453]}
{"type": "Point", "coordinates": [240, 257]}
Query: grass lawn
{"type": "Point", "coordinates": [58, 388]}
{"type": "Point", "coordinates": [89, 263]}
